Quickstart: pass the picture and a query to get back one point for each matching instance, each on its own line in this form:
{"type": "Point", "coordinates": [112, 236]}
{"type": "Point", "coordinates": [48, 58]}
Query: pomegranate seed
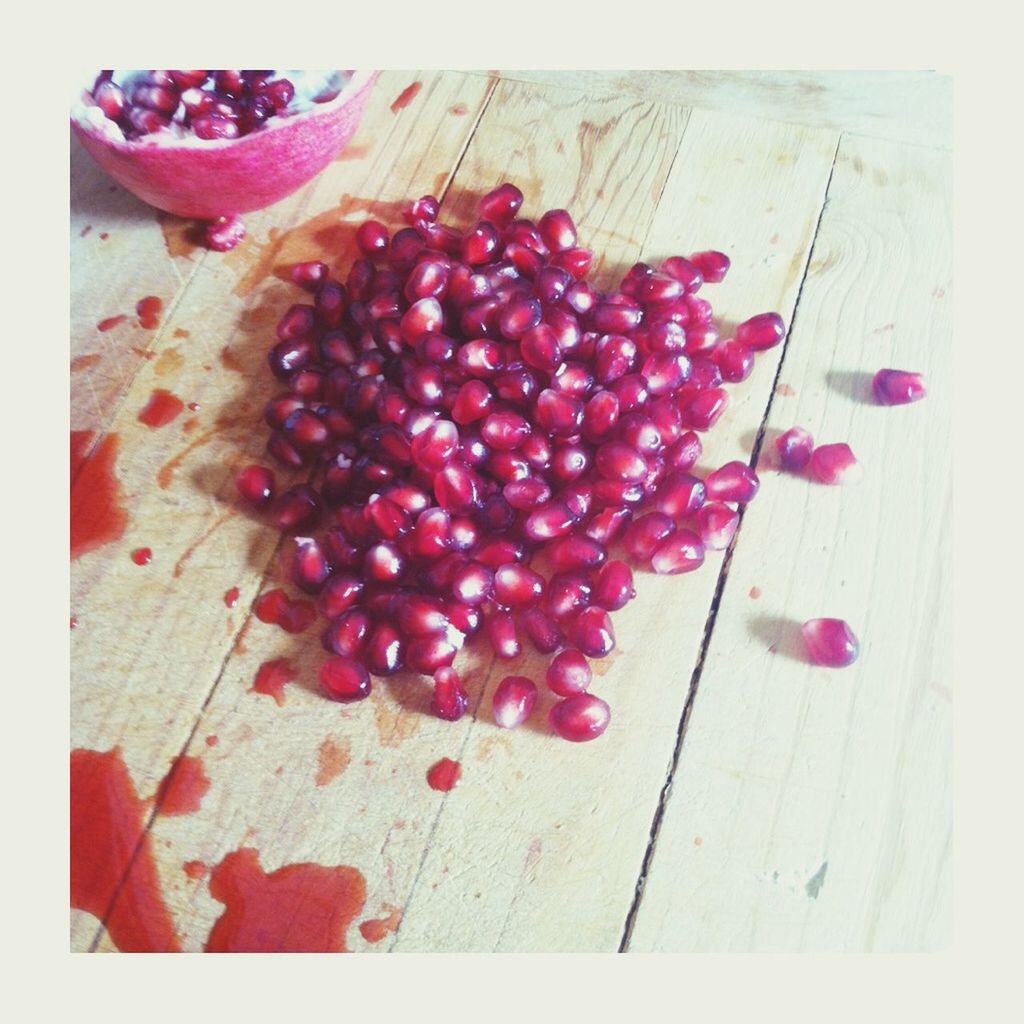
{"type": "Point", "coordinates": [609, 524]}
{"type": "Point", "coordinates": [480, 244]}
{"type": "Point", "coordinates": [557, 231]}
{"type": "Point", "coordinates": [680, 495]}
{"type": "Point", "coordinates": [515, 586]}
{"type": "Point", "coordinates": [501, 206]}
{"type": "Point", "coordinates": [712, 265]}
{"type": "Point", "coordinates": [680, 551]}
{"type": "Point", "coordinates": [339, 594]}
{"type": "Point", "coordinates": [684, 271]}
{"type": "Point", "coordinates": [384, 563]}
{"type": "Point", "coordinates": [501, 631]}
{"type": "Point", "coordinates": [214, 126]}
{"type": "Point", "coordinates": [616, 460]}
{"type": "Point", "coordinates": [549, 521]}
{"type": "Point", "coordinates": [567, 593]}
{"type": "Point", "coordinates": [344, 679]}
{"type": "Point", "coordinates": [613, 588]}
{"type": "Point", "coordinates": [296, 509]}
{"type": "Point", "coordinates": [256, 485]}
{"type": "Point", "coordinates": [706, 408]}
{"type": "Point", "coordinates": [110, 99]}
{"type": "Point", "coordinates": [526, 492]}
{"type": "Point", "coordinates": [450, 698]}
{"type": "Point", "coordinates": [224, 233]}
{"type": "Point", "coordinates": [830, 642]}
{"type": "Point", "coordinates": [310, 275]}
{"type": "Point", "coordinates": [576, 552]}
{"type": "Point", "coordinates": [426, 654]}
{"type": "Point", "coordinates": [761, 332]}
{"type": "Point", "coordinates": [372, 237]}
{"type": "Point", "coordinates": [717, 525]}
{"type": "Point", "coordinates": [685, 452]}
{"type": "Point", "coordinates": [543, 631]}
{"type": "Point", "coordinates": [897, 387]}
{"type": "Point", "coordinates": [645, 533]}
{"type": "Point", "coordinates": [348, 633]}
{"type": "Point", "coordinates": [591, 631]}
{"type": "Point", "coordinates": [580, 718]}
{"type": "Point", "coordinates": [735, 481]}
{"type": "Point", "coordinates": [513, 701]}
{"type": "Point", "coordinates": [600, 415]}
{"type": "Point", "coordinates": [310, 570]}
{"type": "Point", "coordinates": [835, 464]}
{"type": "Point", "coordinates": [518, 317]}
{"type": "Point", "coordinates": [473, 584]}
{"type": "Point", "coordinates": [559, 414]}
{"type": "Point", "coordinates": [576, 261]}
{"type": "Point", "coordinates": [568, 674]}
{"type": "Point", "coordinates": [735, 361]}
{"type": "Point", "coordinates": [384, 653]}
{"type": "Point", "coordinates": [794, 449]}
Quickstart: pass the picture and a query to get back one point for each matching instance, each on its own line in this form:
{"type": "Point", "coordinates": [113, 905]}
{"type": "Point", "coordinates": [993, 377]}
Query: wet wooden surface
{"type": "Point", "coordinates": [741, 798]}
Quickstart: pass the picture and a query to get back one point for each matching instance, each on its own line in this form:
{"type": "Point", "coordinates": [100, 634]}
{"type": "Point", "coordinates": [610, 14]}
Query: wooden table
{"type": "Point", "coordinates": [742, 799]}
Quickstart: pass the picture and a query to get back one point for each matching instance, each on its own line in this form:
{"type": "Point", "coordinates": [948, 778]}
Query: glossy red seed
{"type": "Point", "coordinates": [526, 492]}
{"type": "Point", "coordinates": [348, 633]}
{"type": "Point", "coordinates": [569, 673]}
{"type": "Point", "coordinates": [429, 653]}
{"type": "Point", "coordinates": [372, 237]}
{"type": "Point", "coordinates": [473, 584]}
{"type": "Point", "coordinates": [224, 233]}
{"type": "Point", "coordinates": [543, 631]}
{"type": "Point", "coordinates": [450, 699]}
{"type": "Point", "coordinates": [735, 361]}
{"type": "Point", "coordinates": [513, 701]}
{"type": "Point", "coordinates": [680, 495]}
{"type": "Point", "coordinates": [340, 593]}
{"type": "Point", "coordinates": [897, 387]}
{"type": "Point", "coordinates": [608, 525]}
{"type": "Point", "coordinates": [794, 449]}
{"type": "Point", "coordinates": [735, 481]}
{"type": "Point", "coordinates": [344, 679]}
{"type": "Point", "coordinates": [580, 718]}
{"type": "Point", "coordinates": [613, 588]}
{"type": "Point", "coordinates": [591, 631]}
{"type": "Point", "coordinates": [256, 485]}
{"type": "Point", "coordinates": [384, 652]}
{"type": "Point", "coordinates": [680, 551]}
{"type": "Point", "coordinates": [516, 586]}
{"type": "Point", "coordinates": [761, 332]}
{"type": "Point", "coordinates": [830, 642]}
{"type": "Point", "coordinates": [501, 205]}
{"type": "Point", "coordinates": [616, 460]}
{"type": "Point", "coordinates": [644, 534]}
{"type": "Point", "coordinates": [685, 271]}
{"type": "Point", "coordinates": [706, 408]}
{"type": "Point", "coordinates": [717, 524]}
{"type": "Point", "coordinates": [480, 244]}
{"type": "Point", "coordinates": [549, 521]}
{"type": "Point", "coordinates": [576, 552]}
{"type": "Point", "coordinates": [557, 230]}
{"type": "Point", "coordinates": [501, 632]}
{"type": "Point", "coordinates": [296, 509]}
{"type": "Point", "coordinates": [310, 570]}
{"type": "Point", "coordinates": [835, 464]}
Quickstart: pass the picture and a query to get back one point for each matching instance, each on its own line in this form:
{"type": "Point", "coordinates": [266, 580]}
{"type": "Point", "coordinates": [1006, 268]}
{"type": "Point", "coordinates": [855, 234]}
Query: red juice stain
{"type": "Point", "coordinates": [755, 592]}
{"type": "Point", "coordinates": [111, 855]}
{"type": "Point", "coordinates": [459, 110]}
{"type": "Point", "coordinates": [212, 740]}
{"type": "Point", "coordinates": [380, 928]}
{"type": "Point", "coordinates": [180, 332]}
{"type": "Point", "coordinates": [271, 678]}
{"type": "Point", "coordinates": [405, 97]}
{"type": "Point", "coordinates": [142, 556]}
{"type": "Point", "coordinates": [230, 361]}
{"type": "Point", "coordinates": [110, 323]}
{"type": "Point", "coordinates": [195, 869]}
{"type": "Point", "coordinates": [231, 596]}
{"type": "Point", "coordinates": [104, 235]}
{"type": "Point", "coordinates": [445, 775]}
{"type": "Point", "coordinates": [148, 310]}
{"type": "Point", "coordinates": [193, 407]}
{"type": "Point", "coordinates": [85, 231]}
{"type": "Point", "coordinates": [161, 409]}
{"type": "Point", "coordinates": [300, 908]}
{"type": "Point", "coordinates": [183, 787]}
{"type": "Point", "coordinates": [97, 516]}
{"type": "Point", "coordinates": [143, 353]}
{"type": "Point", "coordinates": [74, 622]}
{"type": "Point", "coordinates": [80, 363]}
{"type": "Point", "coordinates": [276, 608]}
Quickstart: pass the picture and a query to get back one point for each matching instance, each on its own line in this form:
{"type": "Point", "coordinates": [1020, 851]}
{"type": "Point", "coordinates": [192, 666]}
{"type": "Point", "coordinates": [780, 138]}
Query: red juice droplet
{"type": "Point", "coordinates": [212, 740]}
{"type": "Point", "coordinates": [97, 516]}
{"type": "Point", "coordinates": [271, 678]}
{"type": "Point", "coordinates": [193, 407]}
{"type": "Point", "coordinates": [161, 409]}
{"type": "Point", "coordinates": [230, 361]}
{"type": "Point", "coordinates": [183, 787]}
{"type": "Point", "coordinates": [110, 323]}
{"type": "Point", "coordinates": [74, 621]}
{"type": "Point", "coordinates": [380, 928]}
{"type": "Point", "coordinates": [444, 775]}
{"type": "Point", "coordinates": [84, 362]}
{"type": "Point", "coordinates": [755, 592]}
{"type": "Point", "coordinates": [104, 235]}
{"type": "Point", "coordinates": [195, 869]}
{"type": "Point", "coordinates": [231, 596]}
{"type": "Point", "coordinates": [142, 556]}
{"type": "Point", "coordinates": [300, 908]}
{"type": "Point", "coordinates": [110, 855]}
{"type": "Point", "coordinates": [148, 310]}
{"type": "Point", "coordinates": [405, 97]}
{"type": "Point", "coordinates": [276, 608]}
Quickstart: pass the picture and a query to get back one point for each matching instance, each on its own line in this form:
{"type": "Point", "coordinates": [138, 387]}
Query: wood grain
{"type": "Point", "coordinates": [811, 808]}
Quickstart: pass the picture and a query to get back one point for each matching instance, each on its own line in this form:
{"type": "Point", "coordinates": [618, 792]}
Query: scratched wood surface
{"type": "Point", "coordinates": [544, 845]}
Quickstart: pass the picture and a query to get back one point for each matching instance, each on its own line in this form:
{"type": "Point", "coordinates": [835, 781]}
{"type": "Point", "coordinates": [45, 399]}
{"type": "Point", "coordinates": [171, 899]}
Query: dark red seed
{"type": "Point", "coordinates": [450, 698]}
{"type": "Point", "coordinates": [513, 701]}
{"type": "Point", "coordinates": [344, 679]}
{"type": "Point", "coordinates": [613, 589]}
{"type": "Point", "coordinates": [568, 674]}
{"type": "Point", "coordinates": [580, 718]}
{"type": "Point", "coordinates": [256, 485]}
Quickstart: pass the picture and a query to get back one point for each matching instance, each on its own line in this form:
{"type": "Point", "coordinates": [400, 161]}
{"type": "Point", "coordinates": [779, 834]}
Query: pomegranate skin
{"type": "Point", "coordinates": [218, 178]}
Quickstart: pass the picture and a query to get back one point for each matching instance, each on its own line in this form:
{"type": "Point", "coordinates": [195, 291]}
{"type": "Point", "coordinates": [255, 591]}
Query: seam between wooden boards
{"type": "Point", "coordinates": [709, 625]}
{"type": "Point", "coordinates": [230, 648]}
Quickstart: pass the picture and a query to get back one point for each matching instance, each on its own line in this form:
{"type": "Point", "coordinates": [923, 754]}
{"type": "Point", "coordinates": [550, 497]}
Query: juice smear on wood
{"type": "Point", "coordinates": [161, 409]}
{"type": "Point", "coordinates": [184, 786]}
{"type": "Point", "coordinates": [97, 516]}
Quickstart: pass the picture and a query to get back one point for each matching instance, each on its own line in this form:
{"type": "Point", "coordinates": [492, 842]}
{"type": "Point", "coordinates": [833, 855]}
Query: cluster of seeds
{"type": "Point", "coordinates": [484, 430]}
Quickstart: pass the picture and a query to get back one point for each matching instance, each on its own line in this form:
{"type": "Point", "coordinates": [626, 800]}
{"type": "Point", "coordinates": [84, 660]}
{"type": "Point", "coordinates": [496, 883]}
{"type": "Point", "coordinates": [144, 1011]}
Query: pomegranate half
{"type": "Point", "coordinates": [214, 178]}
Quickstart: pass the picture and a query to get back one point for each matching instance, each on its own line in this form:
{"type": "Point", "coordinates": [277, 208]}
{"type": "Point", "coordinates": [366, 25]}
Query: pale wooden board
{"type": "Point", "coordinates": [787, 767]}
{"type": "Point", "coordinates": [149, 647]}
{"type": "Point", "coordinates": [903, 106]}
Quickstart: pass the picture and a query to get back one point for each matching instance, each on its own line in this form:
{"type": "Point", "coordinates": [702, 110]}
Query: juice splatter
{"type": "Point", "coordinates": [80, 363]}
{"type": "Point", "coordinates": [445, 775]}
{"type": "Point", "coordinates": [380, 928]}
{"type": "Point", "coordinates": [183, 787]}
{"type": "Point", "coordinates": [161, 409]}
{"type": "Point", "coordinates": [271, 678]}
{"type": "Point", "coordinates": [332, 761]}
{"type": "Point", "coordinates": [148, 310]}
{"type": "Point", "coordinates": [110, 323]}
{"type": "Point", "coordinates": [405, 97]}
{"type": "Point", "coordinates": [97, 516]}
{"type": "Point", "coordinates": [142, 556]}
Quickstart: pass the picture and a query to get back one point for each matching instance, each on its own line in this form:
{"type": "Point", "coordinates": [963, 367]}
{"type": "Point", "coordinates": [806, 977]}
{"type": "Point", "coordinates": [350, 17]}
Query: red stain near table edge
{"type": "Point", "coordinates": [161, 409]}
{"type": "Point", "coordinates": [405, 97]}
{"type": "Point", "coordinates": [97, 516]}
{"type": "Point", "coordinates": [142, 556]}
{"type": "Point", "coordinates": [111, 855]}
{"type": "Point", "coordinates": [444, 775]}
{"type": "Point", "coordinates": [380, 928]}
{"type": "Point", "coordinates": [74, 621]}
{"type": "Point", "coordinates": [272, 677]}
{"type": "Point", "coordinates": [195, 869]}
{"type": "Point", "coordinates": [110, 323]}
{"type": "Point", "coordinates": [231, 596]}
{"type": "Point", "coordinates": [148, 310]}
{"type": "Point", "coordinates": [300, 908]}
{"type": "Point", "coordinates": [183, 787]}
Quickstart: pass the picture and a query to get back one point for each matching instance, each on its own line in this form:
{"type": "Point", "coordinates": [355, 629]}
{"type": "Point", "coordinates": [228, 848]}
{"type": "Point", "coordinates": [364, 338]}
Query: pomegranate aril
{"type": "Point", "coordinates": [384, 653]}
{"type": "Point", "coordinates": [548, 521]}
{"type": "Point", "coordinates": [577, 552]}
{"type": "Point", "coordinates": [680, 551]}
{"type": "Point", "coordinates": [110, 99]}
{"type": "Point", "coordinates": [644, 534]}
{"type": "Point", "coordinates": [501, 632]}
{"type": "Point", "coordinates": [616, 460]}
{"type": "Point", "coordinates": [224, 233]}
{"type": "Point", "coordinates": [835, 464]}
{"type": "Point", "coordinates": [794, 448]}
{"type": "Point", "coordinates": [516, 586]}
{"type": "Point", "coordinates": [761, 332]}
{"type": "Point", "coordinates": [609, 524]}
{"type": "Point", "coordinates": [735, 481]}
{"type": "Point", "coordinates": [580, 718]}
{"type": "Point", "coordinates": [256, 485]}
{"type": "Point", "coordinates": [680, 495]}
{"type": "Point", "coordinates": [348, 633]}
{"type": "Point", "coordinates": [568, 674]}
{"type": "Point", "coordinates": [684, 271]}
{"type": "Point", "coordinates": [735, 361]}
{"type": "Point", "coordinates": [717, 525]}
{"type": "Point", "coordinates": [543, 631]}
{"type": "Point", "coordinates": [340, 593]}
{"type": "Point", "coordinates": [830, 642]}
{"type": "Point", "coordinates": [712, 265]}
{"type": "Point", "coordinates": [513, 701]}
{"type": "Point", "coordinates": [309, 565]}
{"type": "Point", "coordinates": [559, 414]}
{"type": "Point", "coordinates": [429, 653]}
{"type": "Point", "coordinates": [526, 492]}
{"type": "Point", "coordinates": [557, 230]}
{"type": "Point", "coordinates": [372, 238]}
{"type": "Point", "coordinates": [705, 409]}
{"type": "Point", "coordinates": [473, 584]}
{"type": "Point", "coordinates": [897, 387]}
{"type": "Point", "coordinates": [450, 698]}
{"type": "Point", "coordinates": [384, 563]}
{"type": "Point", "coordinates": [344, 679]}
{"type": "Point", "coordinates": [214, 126]}
{"type": "Point", "coordinates": [684, 453]}
{"type": "Point", "coordinates": [501, 205]}
{"type": "Point", "coordinates": [576, 261]}
{"type": "Point", "coordinates": [296, 509]}
{"type": "Point", "coordinates": [613, 588]}
{"type": "Point", "coordinates": [591, 631]}
{"type": "Point", "coordinates": [480, 244]}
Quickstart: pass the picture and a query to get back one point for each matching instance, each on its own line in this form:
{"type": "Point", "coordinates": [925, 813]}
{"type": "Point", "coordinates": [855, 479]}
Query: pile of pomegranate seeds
{"type": "Point", "coordinates": [484, 426]}
{"type": "Point", "coordinates": [204, 104]}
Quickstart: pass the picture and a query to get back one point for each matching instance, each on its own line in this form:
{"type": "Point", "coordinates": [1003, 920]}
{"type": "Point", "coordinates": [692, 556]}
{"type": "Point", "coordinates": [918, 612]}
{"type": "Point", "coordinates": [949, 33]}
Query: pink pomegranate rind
{"type": "Point", "coordinates": [219, 178]}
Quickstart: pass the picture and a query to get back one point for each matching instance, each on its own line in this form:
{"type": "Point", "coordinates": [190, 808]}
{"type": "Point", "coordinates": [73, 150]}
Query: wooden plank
{"type": "Point", "coordinates": [811, 809]}
{"type": "Point", "coordinates": [903, 106]}
{"type": "Point", "coordinates": [151, 640]}
{"type": "Point", "coordinates": [378, 814]}
{"type": "Point", "coordinates": [569, 826]}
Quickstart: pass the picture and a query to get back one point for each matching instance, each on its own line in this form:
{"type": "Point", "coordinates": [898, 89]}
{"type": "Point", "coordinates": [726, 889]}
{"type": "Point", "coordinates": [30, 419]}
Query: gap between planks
{"type": "Point", "coordinates": [219, 675]}
{"type": "Point", "coordinates": [723, 574]}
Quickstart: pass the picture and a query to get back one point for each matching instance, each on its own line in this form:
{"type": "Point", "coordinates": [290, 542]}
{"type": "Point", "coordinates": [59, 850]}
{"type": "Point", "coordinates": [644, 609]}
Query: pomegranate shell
{"type": "Point", "coordinates": [221, 177]}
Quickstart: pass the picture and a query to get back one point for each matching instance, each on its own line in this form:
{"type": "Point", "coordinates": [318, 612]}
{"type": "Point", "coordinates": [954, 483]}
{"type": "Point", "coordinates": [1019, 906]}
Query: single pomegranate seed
{"type": "Point", "coordinates": [526, 492]}
{"type": "Point", "coordinates": [680, 495]}
{"type": "Point", "coordinates": [580, 718]}
{"type": "Point", "coordinates": [685, 452]}
{"type": "Point", "coordinates": [473, 584]}
{"type": "Point", "coordinates": [310, 275]}
{"type": "Point", "coordinates": [110, 99]}
{"type": "Point", "coordinates": [372, 237]}
{"type": "Point", "coordinates": [835, 464]}
{"type": "Point", "coordinates": [567, 594]}
{"type": "Point", "coordinates": [480, 244]}
{"type": "Point", "coordinates": [712, 265]}
{"type": "Point", "coordinates": [348, 633]}
{"type": "Point", "coordinates": [426, 654]}
{"type": "Point", "coordinates": [473, 402]}
{"type": "Point", "coordinates": [576, 553]}
{"type": "Point", "coordinates": [717, 525]}
{"type": "Point", "coordinates": [616, 460]}
{"type": "Point", "coordinates": [215, 126]}
{"type": "Point", "coordinates": [450, 698]}
{"type": "Point", "coordinates": [513, 701]}
{"type": "Point", "coordinates": [296, 509]}
{"type": "Point", "coordinates": [518, 317]}
{"type": "Point", "coordinates": [549, 521]}
{"type": "Point", "coordinates": [224, 233]}
{"type": "Point", "coordinates": [557, 230]}
{"type": "Point", "coordinates": [735, 481]}
{"type": "Point", "coordinates": [344, 679]}
{"type": "Point", "coordinates": [794, 449]}
{"type": "Point", "coordinates": [645, 533]}
{"type": "Point", "coordinates": [256, 485]}
{"type": "Point", "coordinates": [680, 551]}
{"type": "Point", "coordinates": [384, 563]}
{"type": "Point", "coordinates": [897, 387]}
{"type": "Point", "coordinates": [591, 631]}
{"type": "Point", "coordinates": [339, 594]}
{"type": "Point", "coordinates": [706, 408]}
{"type": "Point", "coordinates": [613, 589]}
{"type": "Point", "coordinates": [576, 261]}
{"type": "Point", "coordinates": [516, 586]}
{"type": "Point", "coordinates": [761, 332]}
{"type": "Point", "coordinates": [735, 361]}
{"type": "Point", "coordinates": [544, 632]}
{"type": "Point", "coordinates": [568, 674]}
{"type": "Point", "coordinates": [310, 570]}
{"type": "Point", "coordinates": [384, 652]}
{"type": "Point", "coordinates": [501, 206]}
{"type": "Point", "coordinates": [144, 121]}
{"type": "Point", "coordinates": [501, 631]}
{"type": "Point", "coordinates": [609, 524]}
{"type": "Point", "coordinates": [684, 271]}
{"type": "Point", "coordinates": [830, 642]}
